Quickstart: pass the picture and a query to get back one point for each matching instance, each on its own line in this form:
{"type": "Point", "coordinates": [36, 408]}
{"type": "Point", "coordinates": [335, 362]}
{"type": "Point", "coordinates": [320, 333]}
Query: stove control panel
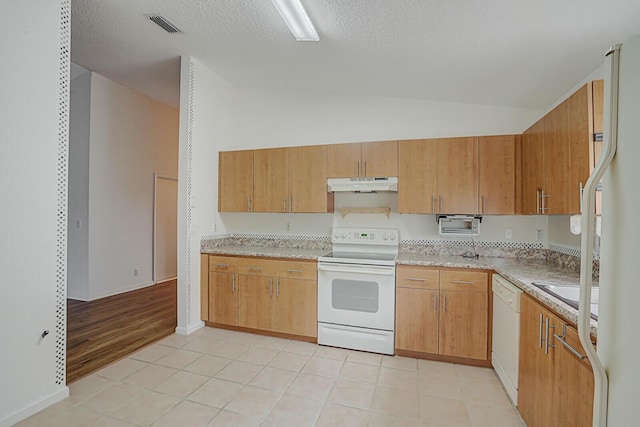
{"type": "Point", "coordinates": [366, 236]}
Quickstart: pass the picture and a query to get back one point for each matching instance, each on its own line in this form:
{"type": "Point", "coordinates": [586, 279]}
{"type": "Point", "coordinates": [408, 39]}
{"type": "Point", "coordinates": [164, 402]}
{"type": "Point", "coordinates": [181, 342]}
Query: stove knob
{"type": "Point", "coordinates": [393, 236]}
{"type": "Point", "coordinates": [336, 235]}
{"type": "Point", "coordinates": [344, 235]}
{"type": "Point", "coordinates": [385, 236]}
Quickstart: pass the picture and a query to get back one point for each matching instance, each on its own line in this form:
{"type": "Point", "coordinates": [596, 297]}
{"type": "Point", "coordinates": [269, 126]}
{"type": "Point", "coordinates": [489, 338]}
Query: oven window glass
{"type": "Point", "coordinates": [354, 295]}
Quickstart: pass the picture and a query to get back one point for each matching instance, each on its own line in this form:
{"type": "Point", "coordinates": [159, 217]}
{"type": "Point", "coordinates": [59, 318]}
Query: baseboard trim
{"type": "Point", "coordinates": [35, 407]}
{"type": "Point", "coordinates": [180, 330]}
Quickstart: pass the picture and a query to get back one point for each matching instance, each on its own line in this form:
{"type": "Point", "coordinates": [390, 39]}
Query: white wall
{"type": "Point", "coordinates": [207, 118]}
{"type": "Point", "coordinates": [34, 41]}
{"type": "Point", "coordinates": [78, 218]}
{"type": "Point", "coordinates": [560, 234]}
{"type": "Point", "coordinates": [131, 137]}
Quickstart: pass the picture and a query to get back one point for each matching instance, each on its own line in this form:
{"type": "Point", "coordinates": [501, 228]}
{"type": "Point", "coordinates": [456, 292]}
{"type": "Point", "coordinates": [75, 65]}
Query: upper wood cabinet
{"type": "Point", "coordinates": [270, 180]}
{"type": "Point", "coordinates": [458, 175]}
{"type": "Point", "coordinates": [308, 179]}
{"type": "Point", "coordinates": [532, 168]}
{"type": "Point", "coordinates": [417, 176]}
{"type": "Point", "coordinates": [559, 152]}
{"type": "Point", "coordinates": [438, 176]}
{"type": "Point", "coordinates": [496, 172]}
{"type": "Point", "coordinates": [557, 160]}
{"type": "Point", "coordinates": [367, 159]}
{"type": "Point", "coordinates": [235, 181]}
{"type": "Point", "coordinates": [274, 180]}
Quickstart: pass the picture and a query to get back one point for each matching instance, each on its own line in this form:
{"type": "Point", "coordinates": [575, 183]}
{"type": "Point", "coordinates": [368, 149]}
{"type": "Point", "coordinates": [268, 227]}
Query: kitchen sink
{"type": "Point", "coordinates": [571, 295]}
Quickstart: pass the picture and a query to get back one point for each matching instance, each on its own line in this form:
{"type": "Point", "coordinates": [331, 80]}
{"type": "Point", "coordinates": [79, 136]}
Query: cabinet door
{"type": "Point", "coordinates": [580, 146]}
{"type": "Point", "coordinates": [557, 161]}
{"type": "Point", "coordinates": [343, 160]}
{"type": "Point", "coordinates": [204, 287]}
{"type": "Point", "coordinates": [496, 172]}
{"type": "Point", "coordinates": [417, 320]}
{"type": "Point", "coordinates": [223, 298]}
{"type": "Point", "coordinates": [256, 302]}
{"type": "Point", "coordinates": [458, 175]}
{"type": "Point", "coordinates": [573, 382]}
{"type": "Point", "coordinates": [235, 181]}
{"type": "Point", "coordinates": [463, 324]}
{"type": "Point", "coordinates": [307, 179]}
{"type": "Point", "coordinates": [535, 367]}
{"type": "Point", "coordinates": [418, 176]}
{"type": "Point", "coordinates": [296, 307]}
{"type": "Point", "coordinates": [270, 188]}
{"type": "Point", "coordinates": [532, 168]}
{"type": "Point", "coordinates": [379, 159]}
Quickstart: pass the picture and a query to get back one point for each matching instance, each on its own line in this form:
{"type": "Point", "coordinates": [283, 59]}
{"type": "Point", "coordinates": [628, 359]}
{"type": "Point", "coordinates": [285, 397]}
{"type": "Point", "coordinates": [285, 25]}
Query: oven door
{"type": "Point", "coordinates": [357, 295]}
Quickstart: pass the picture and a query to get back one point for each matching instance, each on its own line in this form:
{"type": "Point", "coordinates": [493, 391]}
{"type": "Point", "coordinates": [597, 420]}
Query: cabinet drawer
{"type": "Point", "coordinates": [256, 267]}
{"type": "Point", "coordinates": [417, 277]}
{"type": "Point", "coordinates": [460, 280]}
{"type": "Point", "coordinates": [297, 269]}
{"type": "Point", "coordinates": [223, 264]}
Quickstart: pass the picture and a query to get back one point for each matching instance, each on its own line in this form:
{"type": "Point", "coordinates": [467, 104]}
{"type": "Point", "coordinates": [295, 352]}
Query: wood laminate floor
{"type": "Point", "coordinates": [102, 331]}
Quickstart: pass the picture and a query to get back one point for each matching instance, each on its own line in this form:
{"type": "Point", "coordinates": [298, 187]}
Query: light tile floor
{"type": "Point", "coordinates": [216, 377]}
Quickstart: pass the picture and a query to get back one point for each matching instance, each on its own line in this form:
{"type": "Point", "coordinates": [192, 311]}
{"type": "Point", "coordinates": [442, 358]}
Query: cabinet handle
{"type": "Point", "coordinates": [271, 286]}
{"type": "Point", "coordinates": [537, 201]}
{"type": "Point", "coordinates": [462, 282]}
{"type": "Point", "coordinates": [546, 336]}
{"type": "Point", "coordinates": [435, 302]}
{"type": "Point", "coordinates": [540, 336]}
{"type": "Point", "coordinates": [441, 203]}
{"type": "Point", "coordinates": [233, 283]}
{"type": "Point", "coordinates": [290, 203]}
{"type": "Point", "coordinates": [248, 204]}
{"type": "Point", "coordinates": [357, 168]}
{"type": "Point", "coordinates": [222, 265]}
{"type": "Point", "coordinates": [277, 287]}
{"type": "Point", "coordinates": [444, 302]}
{"type": "Point", "coordinates": [561, 338]}
{"type": "Point", "coordinates": [364, 173]}
{"type": "Point", "coordinates": [580, 194]}
{"type": "Point", "coordinates": [254, 268]}
{"type": "Point", "coordinates": [295, 271]}
{"type": "Point", "coordinates": [543, 204]}
{"type": "Point", "coordinates": [416, 279]}
{"type": "Point", "coordinates": [284, 204]}
{"type": "Point", "coordinates": [482, 204]}
{"type": "Point", "coordinates": [433, 204]}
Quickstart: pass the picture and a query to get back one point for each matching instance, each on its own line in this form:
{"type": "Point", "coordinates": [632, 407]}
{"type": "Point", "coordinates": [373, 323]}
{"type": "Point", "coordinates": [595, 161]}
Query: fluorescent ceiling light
{"type": "Point", "coordinates": [297, 20]}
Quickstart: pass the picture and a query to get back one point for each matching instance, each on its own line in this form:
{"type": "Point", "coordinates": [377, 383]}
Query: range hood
{"type": "Point", "coordinates": [362, 185]}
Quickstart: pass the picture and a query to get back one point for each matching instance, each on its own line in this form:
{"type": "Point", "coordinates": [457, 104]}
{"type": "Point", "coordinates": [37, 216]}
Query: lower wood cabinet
{"type": "Point", "coordinates": [442, 311]}
{"type": "Point", "coordinates": [260, 294]}
{"type": "Point", "coordinates": [555, 387]}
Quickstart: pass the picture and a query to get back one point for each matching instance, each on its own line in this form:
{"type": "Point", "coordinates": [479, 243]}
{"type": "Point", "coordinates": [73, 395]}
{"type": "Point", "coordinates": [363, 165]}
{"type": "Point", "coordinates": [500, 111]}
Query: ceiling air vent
{"type": "Point", "coordinates": [164, 24]}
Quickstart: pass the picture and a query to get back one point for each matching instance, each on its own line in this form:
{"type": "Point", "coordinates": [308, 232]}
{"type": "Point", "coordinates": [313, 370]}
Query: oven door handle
{"type": "Point", "coordinates": [380, 271]}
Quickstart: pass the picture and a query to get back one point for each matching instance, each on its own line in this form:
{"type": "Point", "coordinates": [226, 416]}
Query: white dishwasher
{"type": "Point", "coordinates": [506, 333]}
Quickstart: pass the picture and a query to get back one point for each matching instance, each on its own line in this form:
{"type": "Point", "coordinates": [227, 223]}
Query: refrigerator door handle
{"type": "Point", "coordinates": [601, 382]}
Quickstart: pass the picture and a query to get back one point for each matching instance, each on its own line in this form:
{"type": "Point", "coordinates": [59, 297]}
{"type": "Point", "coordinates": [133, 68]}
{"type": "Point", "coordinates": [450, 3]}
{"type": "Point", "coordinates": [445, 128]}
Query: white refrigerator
{"type": "Point", "coordinates": [619, 310]}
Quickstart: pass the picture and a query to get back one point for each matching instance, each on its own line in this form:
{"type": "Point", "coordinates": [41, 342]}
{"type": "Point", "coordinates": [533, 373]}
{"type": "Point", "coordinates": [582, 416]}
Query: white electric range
{"type": "Point", "coordinates": [357, 290]}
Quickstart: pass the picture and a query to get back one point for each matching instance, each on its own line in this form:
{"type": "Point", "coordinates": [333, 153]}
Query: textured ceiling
{"type": "Point", "coordinates": [524, 53]}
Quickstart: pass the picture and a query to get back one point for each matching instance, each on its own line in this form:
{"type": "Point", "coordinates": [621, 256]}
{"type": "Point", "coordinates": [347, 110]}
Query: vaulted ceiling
{"type": "Point", "coordinates": [524, 53]}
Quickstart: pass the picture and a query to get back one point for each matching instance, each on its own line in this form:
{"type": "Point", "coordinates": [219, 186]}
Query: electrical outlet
{"type": "Point", "coordinates": [508, 233]}
{"type": "Point", "coordinates": [288, 226]}
{"type": "Point", "coordinates": [539, 234]}
{"type": "Point", "coordinates": [215, 227]}
{"type": "Point", "coordinates": [136, 271]}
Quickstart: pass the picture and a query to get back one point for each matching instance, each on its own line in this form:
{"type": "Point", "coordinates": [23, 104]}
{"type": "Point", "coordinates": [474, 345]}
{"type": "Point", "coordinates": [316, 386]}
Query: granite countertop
{"type": "Point", "coordinates": [522, 272]}
{"type": "Point", "coordinates": [267, 251]}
